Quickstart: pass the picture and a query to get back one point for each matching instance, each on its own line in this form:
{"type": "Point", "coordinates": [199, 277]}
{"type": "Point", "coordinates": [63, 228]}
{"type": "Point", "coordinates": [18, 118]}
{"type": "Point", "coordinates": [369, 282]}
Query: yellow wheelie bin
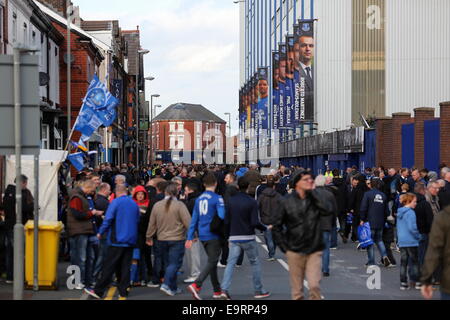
{"type": "Point", "coordinates": [48, 252]}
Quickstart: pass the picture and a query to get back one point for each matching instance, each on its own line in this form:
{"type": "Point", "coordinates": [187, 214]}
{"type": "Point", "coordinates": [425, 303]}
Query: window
{"type": "Point", "coordinates": [14, 27]}
{"type": "Point", "coordinates": [172, 140]}
{"type": "Point", "coordinates": [199, 142]}
{"type": "Point", "coordinates": [157, 142]}
{"type": "Point", "coordinates": [180, 126]}
{"type": "Point", "coordinates": [199, 127]}
{"type": "Point", "coordinates": [45, 137]}
{"type": "Point", "coordinates": [58, 139]}
{"type": "Point", "coordinates": [180, 142]}
{"type": "Point", "coordinates": [25, 33]}
{"type": "Point", "coordinates": [172, 126]}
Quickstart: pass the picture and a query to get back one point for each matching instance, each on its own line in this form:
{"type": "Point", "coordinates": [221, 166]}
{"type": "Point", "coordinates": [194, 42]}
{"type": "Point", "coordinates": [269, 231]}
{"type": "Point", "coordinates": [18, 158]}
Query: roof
{"type": "Point", "coordinates": [186, 111]}
{"type": "Point", "coordinates": [56, 17]}
{"type": "Point", "coordinates": [97, 25]}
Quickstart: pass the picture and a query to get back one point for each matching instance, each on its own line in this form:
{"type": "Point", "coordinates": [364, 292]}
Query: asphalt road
{"type": "Point", "coordinates": [348, 281]}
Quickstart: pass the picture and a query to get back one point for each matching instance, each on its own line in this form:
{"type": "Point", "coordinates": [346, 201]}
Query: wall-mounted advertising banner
{"type": "Point", "coordinates": [276, 90]}
{"type": "Point", "coordinates": [289, 89]}
{"type": "Point", "coordinates": [248, 110]}
{"type": "Point", "coordinates": [304, 69]}
{"type": "Point", "coordinates": [263, 99]}
{"type": "Point", "coordinates": [282, 86]}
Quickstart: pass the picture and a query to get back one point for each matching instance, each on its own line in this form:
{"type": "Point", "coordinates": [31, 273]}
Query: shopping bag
{"type": "Point", "coordinates": [364, 235]}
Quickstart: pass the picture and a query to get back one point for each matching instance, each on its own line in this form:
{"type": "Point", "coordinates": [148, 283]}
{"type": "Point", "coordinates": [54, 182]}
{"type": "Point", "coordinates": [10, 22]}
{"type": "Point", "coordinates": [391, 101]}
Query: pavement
{"type": "Point", "coordinates": [348, 281]}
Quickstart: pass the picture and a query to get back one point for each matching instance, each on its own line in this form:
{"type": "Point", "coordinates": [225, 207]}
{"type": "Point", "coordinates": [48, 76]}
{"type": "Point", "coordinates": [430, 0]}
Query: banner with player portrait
{"type": "Point", "coordinates": [263, 99]}
{"type": "Point", "coordinates": [276, 90]}
{"type": "Point", "coordinates": [282, 86]}
{"type": "Point", "coordinates": [304, 69]}
{"type": "Point", "coordinates": [289, 89]}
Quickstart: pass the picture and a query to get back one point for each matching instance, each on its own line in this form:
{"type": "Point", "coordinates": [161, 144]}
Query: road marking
{"type": "Point", "coordinates": [352, 268]}
{"type": "Point", "coordinates": [111, 293]}
{"type": "Point", "coordinates": [284, 264]}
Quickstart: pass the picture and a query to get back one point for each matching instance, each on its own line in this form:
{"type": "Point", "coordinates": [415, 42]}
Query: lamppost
{"type": "Point", "coordinates": [151, 125]}
{"type": "Point", "coordinates": [140, 52]}
{"type": "Point", "coordinates": [148, 138]}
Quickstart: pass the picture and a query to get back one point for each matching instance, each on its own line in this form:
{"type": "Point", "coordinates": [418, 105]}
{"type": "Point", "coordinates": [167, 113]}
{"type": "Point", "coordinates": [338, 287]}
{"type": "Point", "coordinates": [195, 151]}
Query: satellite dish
{"type": "Point", "coordinates": [43, 79]}
{"type": "Point", "coordinates": [66, 59]}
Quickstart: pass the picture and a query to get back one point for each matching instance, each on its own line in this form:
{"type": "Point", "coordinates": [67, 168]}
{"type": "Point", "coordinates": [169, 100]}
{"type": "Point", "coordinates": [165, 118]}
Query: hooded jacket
{"type": "Point", "coordinates": [144, 203]}
{"type": "Point", "coordinates": [407, 232]}
{"type": "Point", "coordinates": [269, 203]}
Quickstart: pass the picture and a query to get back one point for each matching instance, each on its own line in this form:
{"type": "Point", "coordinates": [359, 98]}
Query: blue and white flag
{"type": "Point", "coordinates": [77, 160]}
{"type": "Point", "coordinates": [99, 108]}
{"type": "Point", "coordinates": [102, 148]}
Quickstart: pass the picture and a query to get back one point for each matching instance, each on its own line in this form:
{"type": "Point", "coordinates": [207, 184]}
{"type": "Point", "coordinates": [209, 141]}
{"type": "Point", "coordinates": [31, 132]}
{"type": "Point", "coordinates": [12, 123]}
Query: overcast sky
{"type": "Point", "coordinates": [194, 48]}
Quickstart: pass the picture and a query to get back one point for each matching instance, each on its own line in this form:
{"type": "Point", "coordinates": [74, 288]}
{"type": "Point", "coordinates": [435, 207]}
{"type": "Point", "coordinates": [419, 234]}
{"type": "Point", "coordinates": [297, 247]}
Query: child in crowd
{"type": "Point", "coordinates": [408, 241]}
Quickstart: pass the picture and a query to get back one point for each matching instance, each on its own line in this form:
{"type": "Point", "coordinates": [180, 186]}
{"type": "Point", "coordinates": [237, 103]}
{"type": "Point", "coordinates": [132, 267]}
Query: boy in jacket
{"type": "Point", "coordinates": [408, 241]}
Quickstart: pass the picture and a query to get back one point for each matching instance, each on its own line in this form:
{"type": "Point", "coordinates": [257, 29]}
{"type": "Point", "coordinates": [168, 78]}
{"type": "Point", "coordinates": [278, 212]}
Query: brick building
{"type": "Point", "coordinates": [421, 141]}
{"type": "Point", "coordinates": [189, 133]}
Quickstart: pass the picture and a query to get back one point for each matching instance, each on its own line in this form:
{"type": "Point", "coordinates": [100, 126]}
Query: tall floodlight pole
{"type": "Point", "coordinates": [151, 125]}
{"type": "Point", "coordinates": [140, 52]}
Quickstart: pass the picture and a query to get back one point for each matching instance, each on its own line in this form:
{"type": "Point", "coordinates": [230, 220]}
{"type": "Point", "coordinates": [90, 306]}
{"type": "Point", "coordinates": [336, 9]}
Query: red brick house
{"type": "Point", "coordinates": [189, 133]}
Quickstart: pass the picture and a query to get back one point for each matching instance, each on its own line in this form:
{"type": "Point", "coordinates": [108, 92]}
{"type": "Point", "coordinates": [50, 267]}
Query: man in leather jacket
{"type": "Point", "coordinates": [297, 231]}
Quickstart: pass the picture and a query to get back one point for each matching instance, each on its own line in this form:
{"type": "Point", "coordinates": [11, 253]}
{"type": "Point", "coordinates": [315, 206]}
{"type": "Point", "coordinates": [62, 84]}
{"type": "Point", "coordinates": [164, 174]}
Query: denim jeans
{"type": "Point", "coordinates": [409, 259]}
{"type": "Point", "coordinates": [91, 259]}
{"type": "Point", "coordinates": [9, 254]}
{"type": "Point", "coordinates": [78, 254]}
{"type": "Point", "coordinates": [445, 296]}
{"type": "Point", "coordinates": [326, 252]}
{"type": "Point", "coordinates": [174, 251]}
{"type": "Point", "coordinates": [377, 237]}
{"type": "Point", "coordinates": [271, 246]}
{"type": "Point", "coordinates": [251, 250]}
{"type": "Point", "coordinates": [334, 238]}
{"type": "Point", "coordinates": [102, 251]}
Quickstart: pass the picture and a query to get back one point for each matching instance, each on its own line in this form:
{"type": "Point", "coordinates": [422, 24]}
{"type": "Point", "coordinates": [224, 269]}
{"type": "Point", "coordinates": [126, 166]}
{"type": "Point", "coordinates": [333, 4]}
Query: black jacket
{"type": "Point", "coordinates": [329, 194]}
{"type": "Point", "coordinates": [269, 203]}
{"type": "Point", "coordinates": [342, 195]}
{"type": "Point", "coordinates": [374, 209]}
{"type": "Point", "coordinates": [444, 196]}
{"type": "Point", "coordinates": [9, 204]}
{"type": "Point", "coordinates": [297, 225]}
{"type": "Point", "coordinates": [190, 201]}
{"type": "Point", "coordinates": [424, 214]}
{"type": "Point", "coordinates": [356, 197]}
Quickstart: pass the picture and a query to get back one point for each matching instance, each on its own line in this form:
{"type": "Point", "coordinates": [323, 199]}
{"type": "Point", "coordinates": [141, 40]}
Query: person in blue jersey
{"type": "Point", "coordinates": [241, 221]}
{"type": "Point", "coordinates": [208, 205]}
{"type": "Point", "coordinates": [121, 224]}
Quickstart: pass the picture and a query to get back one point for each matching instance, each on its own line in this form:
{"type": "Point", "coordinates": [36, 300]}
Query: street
{"type": "Point", "coordinates": [347, 282]}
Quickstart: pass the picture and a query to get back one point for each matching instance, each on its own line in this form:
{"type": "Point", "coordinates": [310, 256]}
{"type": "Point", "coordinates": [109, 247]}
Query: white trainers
{"type": "Point", "coordinates": [219, 265]}
{"type": "Point", "coordinates": [190, 280]}
{"type": "Point", "coordinates": [80, 286]}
